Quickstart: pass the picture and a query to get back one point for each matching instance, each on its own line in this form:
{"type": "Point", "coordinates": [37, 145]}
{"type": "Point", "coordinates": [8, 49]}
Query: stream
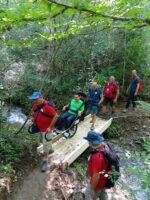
{"type": "Point", "coordinates": [129, 159]}
{"type": "Point", "coordinates": [130, 184]}
{"type": "Point", "coordinates": [13, 115]}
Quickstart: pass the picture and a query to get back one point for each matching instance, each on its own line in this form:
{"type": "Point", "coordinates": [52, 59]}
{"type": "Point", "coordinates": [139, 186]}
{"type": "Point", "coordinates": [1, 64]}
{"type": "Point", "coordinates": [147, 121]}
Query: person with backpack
{"type": "Point", "coordinates": [45, 118]}
{"type": "Point", "coordinates": [132, 91]}
{"type": "Point", "coordinates": [95, 97]}
{"type": "Point", "coordinates": [71, 112]}
{"type": "Point", "coordinates": [110, 94]}
{"type": "Point", "coordinates": [103, 167]}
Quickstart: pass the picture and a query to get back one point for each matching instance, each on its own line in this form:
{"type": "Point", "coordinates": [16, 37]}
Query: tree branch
{"type": "Point", "coordinates": [115, 18]}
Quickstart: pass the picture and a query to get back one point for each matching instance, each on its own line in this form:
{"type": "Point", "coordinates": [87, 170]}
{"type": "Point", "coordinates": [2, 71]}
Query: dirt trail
{"type": "Point", "coordinates": [57, 185]}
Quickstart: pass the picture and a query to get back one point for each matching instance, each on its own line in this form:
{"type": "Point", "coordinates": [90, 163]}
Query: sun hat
{"type": "Point", "coordinates": [94, 138]}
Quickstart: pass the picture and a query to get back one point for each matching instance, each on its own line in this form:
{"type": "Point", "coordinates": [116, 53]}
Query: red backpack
{"type": "Point", "coordinates": [110, 90]}
{"type": "Point", "coordinates": [140, 86]}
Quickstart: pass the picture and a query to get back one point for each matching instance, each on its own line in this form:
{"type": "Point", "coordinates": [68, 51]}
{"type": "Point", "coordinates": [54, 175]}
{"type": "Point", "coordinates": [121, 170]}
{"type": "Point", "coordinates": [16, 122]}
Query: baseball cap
{"type": "Point", "coordinates": [36, 95]}
{"type": "Point", "coordinates": [94, 138]}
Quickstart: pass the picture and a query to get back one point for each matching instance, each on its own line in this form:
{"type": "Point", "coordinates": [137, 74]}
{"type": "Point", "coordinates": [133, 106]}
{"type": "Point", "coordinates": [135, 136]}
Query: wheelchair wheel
{"type": "Point", "coordinates": [73, 130]}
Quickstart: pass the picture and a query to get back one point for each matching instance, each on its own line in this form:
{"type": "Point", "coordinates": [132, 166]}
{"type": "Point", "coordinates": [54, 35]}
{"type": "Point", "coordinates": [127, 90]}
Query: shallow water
{"type": "Point", "coordinates": [130, 181]}
{"type": "Point", "coordinates": [13, 115]}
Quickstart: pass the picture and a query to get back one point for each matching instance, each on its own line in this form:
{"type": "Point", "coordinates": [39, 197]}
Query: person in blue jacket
{"type": "Point", "coordinates": [95, 99]}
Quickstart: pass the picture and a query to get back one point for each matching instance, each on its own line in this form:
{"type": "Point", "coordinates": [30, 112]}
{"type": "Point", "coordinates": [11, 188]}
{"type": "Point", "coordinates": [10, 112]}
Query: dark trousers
{"type": "Point", "coordinates": [66, 119]}
{"type": "Point", "coordinates": [131, 98]}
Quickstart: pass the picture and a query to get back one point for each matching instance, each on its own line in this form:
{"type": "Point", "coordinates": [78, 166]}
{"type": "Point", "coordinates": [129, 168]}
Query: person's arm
{"type": "Point", "coordinates": [137, 89]}
{"type": "Point", "coordinates": [117, 95]}
{"type": "Point", "coordinates": [65, 107]}
{"type": "Point", "coordinates": [101, 99]}
{"type": "Point", "coordinates": [127, 91]}
{"type": "Point", "coordinates": [96, 169]}
{"type": "Point", "coordinates": [81, 109]}
{"type": "Point", "coordinates": [54, 120]}
{"type": "Point", "coordinates": [94, 181]}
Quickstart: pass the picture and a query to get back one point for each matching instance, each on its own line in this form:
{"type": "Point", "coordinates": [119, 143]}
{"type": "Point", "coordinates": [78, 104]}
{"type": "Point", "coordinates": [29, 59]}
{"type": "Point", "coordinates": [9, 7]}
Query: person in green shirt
{"type": "Point", "coordinates": [75, 109]}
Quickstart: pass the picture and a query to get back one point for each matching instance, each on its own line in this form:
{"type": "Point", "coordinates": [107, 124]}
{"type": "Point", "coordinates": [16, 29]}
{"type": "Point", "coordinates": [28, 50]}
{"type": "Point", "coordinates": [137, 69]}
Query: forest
{"type": "Point", "coordinates": [59, 47]}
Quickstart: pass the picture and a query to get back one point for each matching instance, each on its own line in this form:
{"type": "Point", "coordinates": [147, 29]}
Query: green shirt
{"type": "Point", "coordinates": [76, 106]}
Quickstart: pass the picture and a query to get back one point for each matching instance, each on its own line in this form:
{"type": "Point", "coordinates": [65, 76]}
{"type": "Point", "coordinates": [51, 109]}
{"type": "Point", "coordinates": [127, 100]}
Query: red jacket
{"type": "Point", "coordinates": [110, 90]}
{"type": "Point", "coordinates": [42, 121]}
{"type": "Point", "coordinates": [97, 163]}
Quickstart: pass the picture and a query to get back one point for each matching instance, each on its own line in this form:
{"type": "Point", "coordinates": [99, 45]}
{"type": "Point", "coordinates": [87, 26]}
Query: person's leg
{"type": "Point", "coordinates": [93, 115]}
{"type": "Point", "coordinates": [128, 101]}
{"type": "Point", "coordinates": [70, 119]}
{"type": "Point", "coordinates": [102, 194]}
{"type": "Point", "coordinates": [62, 119]}
{"type": "Point", "coordinates": [112, 105]}
{"type": "Point", "coordinates": [87, 193]}
{"type": "Point", "coordinates": [133, 99]}
{"type": "Point", "coordinates": [47, 147]}
{"type": "Point", "coordinates": [105, 102]}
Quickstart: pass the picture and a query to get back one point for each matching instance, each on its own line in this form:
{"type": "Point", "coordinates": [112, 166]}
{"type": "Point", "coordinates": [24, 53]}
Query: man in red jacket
{"type": "Point", "coordinates": [110, 94]}
{"type": "Point", "coordinates": [97, 167]}
{"type": "Point", "coordinates": [45, 118]}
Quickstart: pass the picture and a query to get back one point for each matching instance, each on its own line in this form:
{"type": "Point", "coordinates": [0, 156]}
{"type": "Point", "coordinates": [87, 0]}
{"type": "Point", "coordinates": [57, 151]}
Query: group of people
{"type": "Point", "coordinates": [45, 117]}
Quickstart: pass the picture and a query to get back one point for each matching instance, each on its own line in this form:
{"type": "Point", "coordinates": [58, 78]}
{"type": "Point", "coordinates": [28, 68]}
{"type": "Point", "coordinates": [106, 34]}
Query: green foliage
{"type": "Point", "coordinates": [143, 171]}
{"type": "Point", "coordinates": [80, 165]}
{"type": "Point", "coordinates": [81, 170]}
{"type": "Point", "coordinates": [115, 130]}
{"type": "Point", "coordinates": [144, 105]}
{"type": "Point", "coordinates": [13, 148]}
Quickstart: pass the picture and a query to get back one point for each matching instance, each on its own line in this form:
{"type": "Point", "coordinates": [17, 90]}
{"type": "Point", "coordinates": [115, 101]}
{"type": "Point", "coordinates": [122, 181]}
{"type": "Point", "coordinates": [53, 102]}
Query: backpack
{"type": "Point", "coordinates": [110, 90]}
{"type": "Point", "coordinates": [140, 86]}
{"type": "Point", "coordinates": [112, 160]}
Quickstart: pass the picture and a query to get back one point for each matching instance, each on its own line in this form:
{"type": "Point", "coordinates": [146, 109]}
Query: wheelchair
{"type": "Point", "coordinates": [71, 131]}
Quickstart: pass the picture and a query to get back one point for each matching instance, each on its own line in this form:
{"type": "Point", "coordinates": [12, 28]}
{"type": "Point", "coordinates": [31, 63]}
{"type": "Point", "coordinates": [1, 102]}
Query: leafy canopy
{"type": "Point", "coordinates": [76, 15]}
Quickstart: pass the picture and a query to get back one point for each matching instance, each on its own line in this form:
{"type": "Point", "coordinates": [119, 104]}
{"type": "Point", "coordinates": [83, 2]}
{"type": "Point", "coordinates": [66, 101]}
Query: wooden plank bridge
{"type": "Point", "coordinates": [66, 151]}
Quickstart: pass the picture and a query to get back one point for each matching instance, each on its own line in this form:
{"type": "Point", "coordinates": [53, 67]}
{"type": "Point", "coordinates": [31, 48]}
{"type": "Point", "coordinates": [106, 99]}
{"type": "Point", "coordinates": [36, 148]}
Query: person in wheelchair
{"type": "Point", "coordinates": [71, 112]}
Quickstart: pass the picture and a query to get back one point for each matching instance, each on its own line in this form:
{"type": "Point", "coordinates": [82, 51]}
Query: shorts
{"type": "Point", "coordinates": [93, 108]}
{"type": "Point", "coordinates": [108, 101]}
{"type": "Point", "coordinates": [47, 145]}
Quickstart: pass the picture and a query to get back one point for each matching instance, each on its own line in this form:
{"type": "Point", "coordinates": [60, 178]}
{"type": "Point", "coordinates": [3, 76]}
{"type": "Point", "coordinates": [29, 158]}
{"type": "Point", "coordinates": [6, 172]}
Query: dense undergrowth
{"type": "Point", "coordinates": [16, 151]}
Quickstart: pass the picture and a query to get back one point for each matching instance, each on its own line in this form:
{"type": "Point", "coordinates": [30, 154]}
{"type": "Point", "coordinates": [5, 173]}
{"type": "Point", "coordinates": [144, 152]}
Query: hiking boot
{"type": "Point", "coordinates": [44, 166]}
{"type": "Point", "coordinates": [125, 110]}
{"type": "Point", "coordinates": [51, 151]}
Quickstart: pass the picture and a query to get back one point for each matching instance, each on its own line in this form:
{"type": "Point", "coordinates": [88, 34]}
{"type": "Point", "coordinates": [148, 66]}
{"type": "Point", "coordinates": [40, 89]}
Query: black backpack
{"type": "Point", "coordinates": [112, 160]}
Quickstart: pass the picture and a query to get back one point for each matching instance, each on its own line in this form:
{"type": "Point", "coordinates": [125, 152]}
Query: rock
{"type": "Point", "coordinates": [40, 68]}
{"type": "Point", "coordinates": [14, 74]}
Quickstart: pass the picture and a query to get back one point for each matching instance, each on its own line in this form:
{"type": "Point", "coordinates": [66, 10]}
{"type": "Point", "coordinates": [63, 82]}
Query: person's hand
{"type": "Point", "coordinates": [115, 100]}
{"type": "Point", "coordinates": [100, 103]}
{"type": "Point", "coordinates": [64, 108]}
{"type": "Point", "coordinates": [79, 113]}
{"type": "Point", "coordinates": [135, 94]}
{"type": "Point", "coordinates": [93, 193]}
{"type": "Point", "coordinates": [127, 92]}
{"type": "Point", "coordinates": [49, 129]}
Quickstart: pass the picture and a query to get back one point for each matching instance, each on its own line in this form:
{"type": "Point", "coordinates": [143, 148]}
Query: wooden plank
{"type": "Point", "coordinates": [84, 145]}
{"type": "Point", "coordinates": [57, 137]}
